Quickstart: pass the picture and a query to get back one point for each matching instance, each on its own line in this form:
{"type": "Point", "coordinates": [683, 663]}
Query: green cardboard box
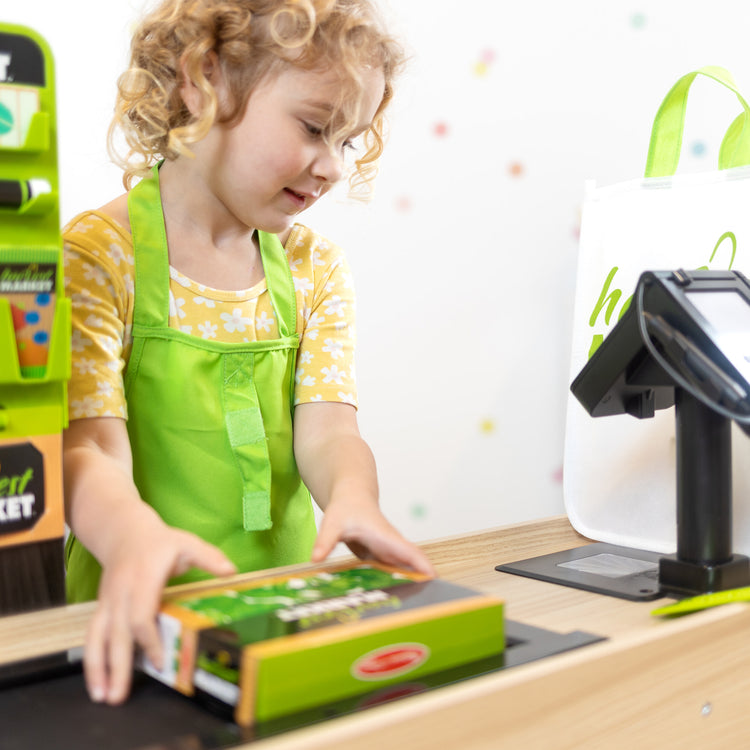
{"type": "Point", "coordinates": [278, 646]}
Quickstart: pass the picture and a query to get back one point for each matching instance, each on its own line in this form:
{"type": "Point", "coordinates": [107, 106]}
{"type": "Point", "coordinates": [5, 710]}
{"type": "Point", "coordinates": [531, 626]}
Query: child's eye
{"type": "Point", "coordinates": [313, 130]}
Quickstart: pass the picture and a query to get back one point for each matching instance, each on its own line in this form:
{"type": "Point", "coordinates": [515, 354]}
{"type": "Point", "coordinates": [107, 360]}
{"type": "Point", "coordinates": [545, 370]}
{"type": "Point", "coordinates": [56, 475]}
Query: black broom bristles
{"type": "Point", "coordinates": [32, 576]}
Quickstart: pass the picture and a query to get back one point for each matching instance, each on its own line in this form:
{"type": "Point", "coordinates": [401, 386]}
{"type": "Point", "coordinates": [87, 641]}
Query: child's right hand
{"type": "Point", "coordinates": [130, 591]}
{"type": "Point", "coordinates": [138, 553]}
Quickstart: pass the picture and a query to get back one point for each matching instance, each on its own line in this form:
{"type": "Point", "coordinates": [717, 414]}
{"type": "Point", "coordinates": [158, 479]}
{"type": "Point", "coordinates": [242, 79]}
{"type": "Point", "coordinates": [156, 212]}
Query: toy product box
{"type": "Point", "coordinates": [268, 648]}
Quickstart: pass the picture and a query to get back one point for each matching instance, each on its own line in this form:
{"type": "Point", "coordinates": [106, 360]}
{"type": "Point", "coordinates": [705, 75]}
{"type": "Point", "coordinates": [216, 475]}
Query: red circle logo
{"type": "Point", "coordinates": [390, 661]}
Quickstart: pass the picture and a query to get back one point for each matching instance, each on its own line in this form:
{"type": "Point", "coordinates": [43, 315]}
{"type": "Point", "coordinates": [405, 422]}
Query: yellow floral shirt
{"type": "Point", "coordinates": [99, 279]}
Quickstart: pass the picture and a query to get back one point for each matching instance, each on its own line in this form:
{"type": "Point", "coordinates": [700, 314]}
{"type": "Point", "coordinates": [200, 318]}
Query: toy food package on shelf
{"type": "Point", "coordinates": [277, 646]}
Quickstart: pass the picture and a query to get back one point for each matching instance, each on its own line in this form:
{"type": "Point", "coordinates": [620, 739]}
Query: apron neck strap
{"type": "Point", "coordinates": [279, 282]}
{"type": "Point", "coordinates": [151, 306]}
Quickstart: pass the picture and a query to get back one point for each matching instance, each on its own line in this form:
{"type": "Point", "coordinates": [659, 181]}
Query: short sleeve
{"type": "Point", "coordinates": [322, 279]}
{"type": "Point", "coordinates": [98, 275]}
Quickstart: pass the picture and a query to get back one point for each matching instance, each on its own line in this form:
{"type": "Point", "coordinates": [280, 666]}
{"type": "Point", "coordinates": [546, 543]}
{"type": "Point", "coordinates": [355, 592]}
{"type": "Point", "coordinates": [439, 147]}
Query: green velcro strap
{"type": "Point", "coordinates": [245, 426]}
{"type": "Point", "coordinates": [247, 438]}
{"type": "Point", "coordinates": [256, 511]}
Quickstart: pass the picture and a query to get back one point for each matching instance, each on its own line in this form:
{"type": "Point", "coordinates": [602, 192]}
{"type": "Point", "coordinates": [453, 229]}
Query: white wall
{"type": "Point", "coordinates": [465, 260]}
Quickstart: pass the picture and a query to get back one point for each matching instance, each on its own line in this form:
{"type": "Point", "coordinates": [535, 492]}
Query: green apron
{"type": "Point", "coordinates": [210, 423]}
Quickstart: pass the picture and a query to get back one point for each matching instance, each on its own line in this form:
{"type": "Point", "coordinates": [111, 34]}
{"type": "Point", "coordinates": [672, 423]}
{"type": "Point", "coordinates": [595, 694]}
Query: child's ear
{"type": "Point", "coordinates": [189, 90]}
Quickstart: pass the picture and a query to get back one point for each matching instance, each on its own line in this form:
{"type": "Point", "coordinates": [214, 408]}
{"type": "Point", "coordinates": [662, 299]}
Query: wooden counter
{"type": "Point", "coordinates": [677, 683]}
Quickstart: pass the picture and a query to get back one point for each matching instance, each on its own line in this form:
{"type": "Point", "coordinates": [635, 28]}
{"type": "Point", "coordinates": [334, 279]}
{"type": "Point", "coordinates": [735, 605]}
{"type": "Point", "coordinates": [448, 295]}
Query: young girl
{"type": "Point", "coordinates": [212, 347]}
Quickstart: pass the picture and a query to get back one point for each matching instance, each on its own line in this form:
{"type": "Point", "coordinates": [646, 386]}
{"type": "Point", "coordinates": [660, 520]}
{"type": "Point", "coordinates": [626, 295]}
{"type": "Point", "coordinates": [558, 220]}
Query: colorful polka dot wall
{"type": "Point", "coordinates": [465, 261]}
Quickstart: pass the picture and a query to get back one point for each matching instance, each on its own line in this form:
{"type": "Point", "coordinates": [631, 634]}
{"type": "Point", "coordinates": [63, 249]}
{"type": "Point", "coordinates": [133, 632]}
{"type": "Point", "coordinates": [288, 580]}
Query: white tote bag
{"type": "Point", "coordinates": [620, 472]}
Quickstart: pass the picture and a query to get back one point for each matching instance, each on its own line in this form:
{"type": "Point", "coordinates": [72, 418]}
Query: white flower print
{"type": "Point", "coordinates": [264, 322]}
{"type": "Point", "coordinates": [236, 321]}
{"type": "Point", "coordinates": [83, 226]}
{"type": "Point", "coordinates": [294, 264]}
{"type": "Point", "coordinates": [316, 259]}
{"type": "Point", "coordinates": [305, 358]}
{"type": "Point", "coordinates": [208, 330]}
{"type": "Point", "coordinates": [204, 301]}
{"type": "Point", "coordinates": [116, 253]}
{"type": "Point", "coordinates": [88, 406]}
{"type": "Point", "coordinates": [78, 342]}
{"type": "Point", "coordinates": [312, 324]}
{"type": "Point", "coordinates": [183, 281]}
{"type": "Point", "coordinates": [84, 299]}
{"type": "Point", "coordinates": [333, 375]}
{"type": "Point", "coordinates": [109, 345]}
{"type": "Point", "coordinates": [175, 306]}
{"type": "Point", "coordinates": [186, 329]}
{"type": "Point", "coordinates": [335, 306]}
{"type": "Point", "coordinates": [303, 285]}
{"type": "Point", "coordinates": [93, 321]}
{"type": "Point", "coordinates": [95, 274]}
{"type": "Point", "coordinates": [347, 398]}
{"type": "Point", "coordinates": [85, 366]}
{"type": "Point", "coordinates": [336, 348]}
{"type": "Point", "coordinates": [104, 388]}
{"type": "Point", "coordinates": [307, 380]}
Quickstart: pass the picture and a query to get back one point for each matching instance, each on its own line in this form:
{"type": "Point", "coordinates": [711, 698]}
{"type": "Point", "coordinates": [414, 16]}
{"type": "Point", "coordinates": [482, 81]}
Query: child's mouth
{"type": "Point", "coordinates": [297, 198]}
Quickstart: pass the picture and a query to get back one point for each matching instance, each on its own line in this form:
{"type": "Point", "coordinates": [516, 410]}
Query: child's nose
{"type": "Point", "coordinates": [328, 165]}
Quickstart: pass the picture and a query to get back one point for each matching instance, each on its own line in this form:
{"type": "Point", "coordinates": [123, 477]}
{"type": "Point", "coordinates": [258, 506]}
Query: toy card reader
{"type": "Point", "coordinates": [683, 342]}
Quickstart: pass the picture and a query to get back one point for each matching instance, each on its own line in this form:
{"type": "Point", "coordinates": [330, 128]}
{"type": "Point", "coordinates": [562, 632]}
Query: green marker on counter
{"type": "Point", "coordinates": [703, 601]}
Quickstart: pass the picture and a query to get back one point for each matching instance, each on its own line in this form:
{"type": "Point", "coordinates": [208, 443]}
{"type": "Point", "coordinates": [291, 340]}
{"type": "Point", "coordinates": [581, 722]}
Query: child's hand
{"type": "Point", "coordinates": [368, 534]}
{"type": "Point", "coordinates": [338, 467]}
{"type": "Point", "coordinates": [130, 592]}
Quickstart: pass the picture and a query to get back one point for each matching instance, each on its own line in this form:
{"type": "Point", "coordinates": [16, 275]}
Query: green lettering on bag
{"type": "Point", "coordinates": [605, 298]}
{"type": "Point", "coordinates": [726, 236]}
{"type": "Point", "coordinates": [610, 299]}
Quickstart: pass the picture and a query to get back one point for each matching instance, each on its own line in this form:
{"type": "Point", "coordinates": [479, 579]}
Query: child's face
{"type": "Point", "coordinates": [275, 163]}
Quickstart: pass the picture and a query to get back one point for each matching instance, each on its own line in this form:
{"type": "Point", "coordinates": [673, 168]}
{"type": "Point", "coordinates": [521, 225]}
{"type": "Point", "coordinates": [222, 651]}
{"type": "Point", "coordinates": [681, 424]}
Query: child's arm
{"type": "Point", "coordinates": [137, 550]}
{"type": "Point", "coordinates": [337, 466]}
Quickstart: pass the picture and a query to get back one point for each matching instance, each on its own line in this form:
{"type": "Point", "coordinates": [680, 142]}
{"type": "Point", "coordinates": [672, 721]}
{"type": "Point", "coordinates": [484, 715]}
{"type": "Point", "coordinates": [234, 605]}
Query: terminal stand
{"type": "Point", "coordinates": [665, 350]}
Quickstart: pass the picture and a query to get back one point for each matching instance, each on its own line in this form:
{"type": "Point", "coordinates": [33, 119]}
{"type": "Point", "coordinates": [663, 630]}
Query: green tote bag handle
{"type": "Point", "coordinates": [666, 134]}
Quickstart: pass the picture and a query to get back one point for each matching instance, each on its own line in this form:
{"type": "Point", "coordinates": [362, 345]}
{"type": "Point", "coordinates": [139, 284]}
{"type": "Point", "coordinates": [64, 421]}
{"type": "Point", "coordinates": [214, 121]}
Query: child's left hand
{"type": "Point", "coordinates": [338, 467]}
{"type": "Point", "coordinates": [368, 534]}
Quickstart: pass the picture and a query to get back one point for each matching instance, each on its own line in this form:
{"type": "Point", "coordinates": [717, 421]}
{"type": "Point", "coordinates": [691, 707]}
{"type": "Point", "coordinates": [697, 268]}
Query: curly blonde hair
{"type": "Point", "coordinates": [251, 40]}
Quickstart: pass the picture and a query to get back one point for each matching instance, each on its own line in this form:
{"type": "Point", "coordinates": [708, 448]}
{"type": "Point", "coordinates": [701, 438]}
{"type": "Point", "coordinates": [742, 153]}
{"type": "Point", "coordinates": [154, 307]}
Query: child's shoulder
{"type": "Point", "coordinates": [304, 243]}
{"type": "Point", "coordinates": [95, 224]}
{"type": "Point", "coordinates": [94, 237]}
